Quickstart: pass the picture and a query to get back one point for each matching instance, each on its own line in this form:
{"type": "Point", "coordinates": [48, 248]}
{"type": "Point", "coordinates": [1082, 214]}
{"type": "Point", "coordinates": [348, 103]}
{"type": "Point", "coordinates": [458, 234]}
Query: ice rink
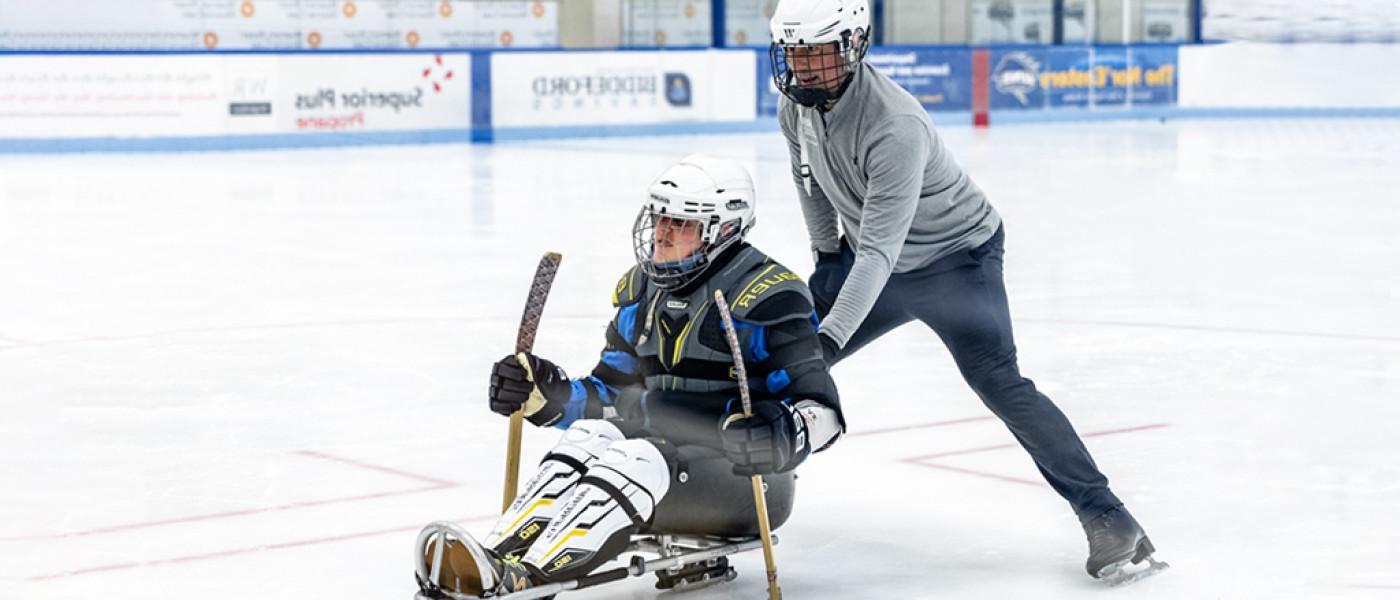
{"type": "Point", "coordinates": [257, 375]}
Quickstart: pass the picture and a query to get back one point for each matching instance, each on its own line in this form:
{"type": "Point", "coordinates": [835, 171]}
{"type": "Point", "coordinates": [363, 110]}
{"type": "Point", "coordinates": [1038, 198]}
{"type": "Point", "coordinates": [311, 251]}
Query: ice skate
{"type": "Point", "coordinates": [1117, 545]}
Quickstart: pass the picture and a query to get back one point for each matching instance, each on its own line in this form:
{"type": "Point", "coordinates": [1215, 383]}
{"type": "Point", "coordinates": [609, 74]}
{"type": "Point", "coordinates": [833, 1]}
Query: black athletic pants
{"type": "Point", "coordinates": [712, 500]}
{"type": "Point", "coordinates": [963, 299]}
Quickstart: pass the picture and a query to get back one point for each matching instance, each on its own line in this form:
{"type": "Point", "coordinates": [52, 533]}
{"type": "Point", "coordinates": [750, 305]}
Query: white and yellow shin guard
{"type": "Point", "coordinates": [613, 500]}
{"type": "Point", "coordinates": [542, 496]}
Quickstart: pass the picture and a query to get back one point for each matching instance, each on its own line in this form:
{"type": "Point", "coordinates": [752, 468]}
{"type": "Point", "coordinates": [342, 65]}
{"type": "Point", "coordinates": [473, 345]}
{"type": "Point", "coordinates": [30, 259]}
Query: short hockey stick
{"type": "Point", "coordinates": [760, 502]}
{"type": "Point", "coordinates": [524, 342]}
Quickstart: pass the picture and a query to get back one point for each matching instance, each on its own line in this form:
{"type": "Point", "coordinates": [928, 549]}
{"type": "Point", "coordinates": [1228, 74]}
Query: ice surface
{"type": "Point", "coordinates": [257, 375]}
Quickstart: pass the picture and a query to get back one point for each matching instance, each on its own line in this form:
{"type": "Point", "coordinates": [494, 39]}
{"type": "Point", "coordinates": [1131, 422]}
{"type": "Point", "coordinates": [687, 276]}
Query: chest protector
{"type": "Point", "coordinates": [678, 338]}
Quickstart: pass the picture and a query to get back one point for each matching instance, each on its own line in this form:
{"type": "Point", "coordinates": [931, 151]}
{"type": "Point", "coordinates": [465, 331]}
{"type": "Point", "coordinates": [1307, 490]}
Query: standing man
{"type": "Point", "coordinates": [921, 242]}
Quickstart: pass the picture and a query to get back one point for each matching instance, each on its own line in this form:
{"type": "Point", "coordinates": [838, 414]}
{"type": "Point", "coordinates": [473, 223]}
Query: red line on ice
{"type": "Point", "coordinates": [926, 460]}
{"type": "Point", "coordinates": [235, 552]}
{"type": "Point", "coordinates": [919, 426]}
{"type": "Point", "coordinates": [389, 470]}
{"type": "Point", "coordinates": [976, 473]}
{"type": "Point", "coordinates": [437, 484]}
{"type": "Point", "coordinates": [1005, 446]}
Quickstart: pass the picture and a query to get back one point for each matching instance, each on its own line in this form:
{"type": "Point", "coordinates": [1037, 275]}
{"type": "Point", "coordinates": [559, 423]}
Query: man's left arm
{"type": "Point", "coordinates": [894, 168]}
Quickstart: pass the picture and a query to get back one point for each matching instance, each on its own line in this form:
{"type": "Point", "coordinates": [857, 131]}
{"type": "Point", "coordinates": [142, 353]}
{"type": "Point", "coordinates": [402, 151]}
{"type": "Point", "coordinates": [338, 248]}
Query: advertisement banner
{"type": "Point", "coordinates": [380, 93]}
{"type": "Point", "coordinates": [666, 23]}
{"type": "Point", "coordinates": [1066, 78]}
{"type": "Point", "coordinates": [540, 89]}
{"type": "Point", "coordinates": [1159, 80]}
{"type": "Point", "coordinates": [746, 22]}
{"type": "Point", "coordinates": [940, 78]}
{"type": "Point", "coordinates": [1015, 78]}
{"type": "Point", "coordinates": [431, 24]}
{"type": "Point", "coordinates": [276, 24]}
{"type": "Point", "coordinates": [111, 96]}
{"type": "Point", "coordinates": [208, 95]}
{"type": "Point", "coordinates": [1091, 77]}
{"type": "Point", "coordinates": [503, 24]}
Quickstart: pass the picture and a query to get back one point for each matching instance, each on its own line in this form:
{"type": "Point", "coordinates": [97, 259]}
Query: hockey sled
{"type": "Point", "coordinates": [680, 562]}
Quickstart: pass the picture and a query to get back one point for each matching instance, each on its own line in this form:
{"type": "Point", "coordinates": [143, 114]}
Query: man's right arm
{"type": "Point", "coordinates": [816, 209]}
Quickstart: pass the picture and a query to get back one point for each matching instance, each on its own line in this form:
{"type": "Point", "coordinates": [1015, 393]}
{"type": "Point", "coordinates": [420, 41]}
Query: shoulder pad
{"type": "Point", "coordinates": [770, 293]}
{"type": "Point", "coordinates": [629, 289]}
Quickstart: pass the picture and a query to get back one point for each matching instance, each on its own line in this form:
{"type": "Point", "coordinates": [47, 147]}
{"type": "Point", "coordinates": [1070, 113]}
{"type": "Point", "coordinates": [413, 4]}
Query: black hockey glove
{"type": "Point", "coordinates": [826, 280]}
{"type": "Point", "coordinates": [828, 277]}
{"type": "Point", "coordinates": [773, 440]}
{"type": "Point", "coordinates": [829, 348]}
{"type": "Point", "coordinates": [541, 390]}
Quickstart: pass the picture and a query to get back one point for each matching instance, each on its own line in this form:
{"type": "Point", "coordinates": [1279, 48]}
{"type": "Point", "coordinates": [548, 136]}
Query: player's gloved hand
{"type": "Point", "coordinates": [773, 440]}
{"type": "Point", "coordinates": [527, 381]}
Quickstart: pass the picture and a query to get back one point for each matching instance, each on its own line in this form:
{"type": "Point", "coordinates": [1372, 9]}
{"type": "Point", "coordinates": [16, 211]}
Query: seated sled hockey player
{"type": "Point", "coordinates": [655, 437]}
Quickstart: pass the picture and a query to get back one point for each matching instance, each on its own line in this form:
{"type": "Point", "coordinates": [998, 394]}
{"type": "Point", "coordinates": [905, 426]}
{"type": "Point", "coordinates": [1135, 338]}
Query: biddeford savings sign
{"type": "Point", "coordinates": [584, 88]}
{"type": "Point", "coordinates": [609, 90]}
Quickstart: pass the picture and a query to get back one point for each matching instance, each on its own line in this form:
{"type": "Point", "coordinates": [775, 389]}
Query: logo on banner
{"type": "Point", "coordinates": [248, 96]}
{"type": "Point", "coordinates": [678, 89]}
{"type": "Point", "coordinates": [599, 90]}
{"type": "Point", "coordinates": [359, 107]}
{"type": "Point", "coordinates": [437, 74]}
{"type": "Point", "coordinates": [1017, 74]}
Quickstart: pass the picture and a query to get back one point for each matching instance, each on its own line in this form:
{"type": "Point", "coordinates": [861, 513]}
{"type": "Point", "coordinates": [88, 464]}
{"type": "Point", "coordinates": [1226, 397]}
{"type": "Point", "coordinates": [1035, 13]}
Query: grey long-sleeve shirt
{"type": "Point", "coordinates": [881, 171]}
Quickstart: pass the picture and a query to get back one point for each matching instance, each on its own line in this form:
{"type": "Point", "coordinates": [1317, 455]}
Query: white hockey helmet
{"type": "Point", "coordinates": [714, 196]}
{"type": "Point", "coordinates": [831, 34]}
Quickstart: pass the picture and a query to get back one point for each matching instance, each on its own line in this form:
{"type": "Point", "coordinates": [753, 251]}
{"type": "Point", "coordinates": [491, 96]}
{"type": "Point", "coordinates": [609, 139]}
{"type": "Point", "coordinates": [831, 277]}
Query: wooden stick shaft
{"type": "Point", "coordinates": [517, 423]}
{"type": "Point", "coordinates": [761, 502]}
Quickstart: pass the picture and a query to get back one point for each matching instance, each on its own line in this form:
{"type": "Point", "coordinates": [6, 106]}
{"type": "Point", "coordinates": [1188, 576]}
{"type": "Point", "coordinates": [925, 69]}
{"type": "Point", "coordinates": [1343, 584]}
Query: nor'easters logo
{"type": "Point", "coordinates": [1017, 74]}
{"type": "Point", "coordinates": [335, 108]}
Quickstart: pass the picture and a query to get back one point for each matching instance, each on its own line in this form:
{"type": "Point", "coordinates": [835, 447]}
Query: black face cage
{"type": "Point", "coordinates": [847, 54]}
{"type": "Point", "coordinates": [675, 274]}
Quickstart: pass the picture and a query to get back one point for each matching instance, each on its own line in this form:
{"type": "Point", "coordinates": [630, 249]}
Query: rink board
{"type": "Point", "coordinates": [177, 100]}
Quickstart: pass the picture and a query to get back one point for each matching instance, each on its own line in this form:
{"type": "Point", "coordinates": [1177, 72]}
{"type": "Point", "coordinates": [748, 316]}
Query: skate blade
{"type": "Point", "coordinates": [1125, 573]}
{"type": "Point", "coordinates": [706, 581]}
